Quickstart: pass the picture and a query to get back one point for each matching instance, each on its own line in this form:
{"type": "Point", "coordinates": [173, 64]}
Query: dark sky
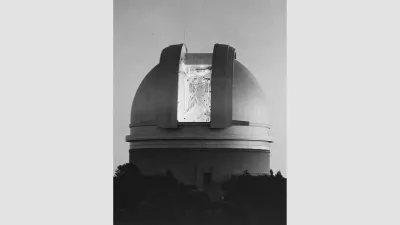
{"type": "Point", "coordinates": [256, 29]}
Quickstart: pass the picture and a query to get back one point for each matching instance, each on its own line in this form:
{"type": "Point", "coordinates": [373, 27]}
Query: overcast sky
{"type": "Point", "coordinates": [256, 29]}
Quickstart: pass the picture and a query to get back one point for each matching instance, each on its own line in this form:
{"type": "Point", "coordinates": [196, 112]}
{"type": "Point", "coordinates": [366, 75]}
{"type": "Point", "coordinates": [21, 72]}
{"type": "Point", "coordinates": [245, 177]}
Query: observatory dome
{"type": "Point", "coordinates": [202, 116]}
{"type": "Point", "coordinates": [248, 100]}
{"type": "Point", "coordinates": [233, 104]}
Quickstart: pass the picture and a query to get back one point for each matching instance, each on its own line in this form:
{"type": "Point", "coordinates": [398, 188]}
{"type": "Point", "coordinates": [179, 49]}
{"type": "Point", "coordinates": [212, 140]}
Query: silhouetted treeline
{"type": "Point", "coordinates": [247, 198]}
{"type": "Point", "coordinates": [131, 188]}
{"type": "Point", "coordinates": [264, 194]}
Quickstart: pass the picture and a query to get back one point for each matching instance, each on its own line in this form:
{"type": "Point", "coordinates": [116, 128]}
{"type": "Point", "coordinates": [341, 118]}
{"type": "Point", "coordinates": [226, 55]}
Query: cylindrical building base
{"type": "Point", "coordinates": [201, 166]}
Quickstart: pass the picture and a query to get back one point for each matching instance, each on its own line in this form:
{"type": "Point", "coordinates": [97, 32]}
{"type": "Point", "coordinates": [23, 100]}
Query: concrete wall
{"type": "Point", "coordinates": [189, 165]}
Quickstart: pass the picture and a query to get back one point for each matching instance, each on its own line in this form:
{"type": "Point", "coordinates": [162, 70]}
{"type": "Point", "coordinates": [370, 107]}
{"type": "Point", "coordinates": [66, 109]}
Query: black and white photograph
{"type": "Point", "coordinates": [203, 112]}
{"type": "Point", "coordinates": [200, 112]}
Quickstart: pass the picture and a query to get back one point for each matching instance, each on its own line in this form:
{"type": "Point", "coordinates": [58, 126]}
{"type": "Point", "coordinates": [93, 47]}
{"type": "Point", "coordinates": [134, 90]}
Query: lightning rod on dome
{"type": "Point", "coordinates": [184, 37]}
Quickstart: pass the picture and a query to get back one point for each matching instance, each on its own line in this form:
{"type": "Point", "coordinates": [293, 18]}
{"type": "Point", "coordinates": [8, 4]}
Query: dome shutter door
{"type": "Point", "coordinates": [221, 86]}
{"type": "Point", "coordinates": [167, 86]}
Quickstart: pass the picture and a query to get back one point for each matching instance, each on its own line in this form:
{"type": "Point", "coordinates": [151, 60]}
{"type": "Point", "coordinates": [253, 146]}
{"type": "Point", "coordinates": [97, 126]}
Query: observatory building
{"type": "Point", "coordinates": [203, 116]}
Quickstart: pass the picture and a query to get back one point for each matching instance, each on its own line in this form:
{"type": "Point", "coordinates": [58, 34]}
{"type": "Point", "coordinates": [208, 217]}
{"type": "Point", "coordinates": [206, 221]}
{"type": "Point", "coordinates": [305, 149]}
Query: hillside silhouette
{"type": "Point", "coordinates": [162, 199]}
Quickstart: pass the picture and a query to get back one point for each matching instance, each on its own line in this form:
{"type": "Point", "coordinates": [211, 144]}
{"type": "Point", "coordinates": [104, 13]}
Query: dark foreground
{"type": "Point", "coordinates": [223, 215]}
{"type": "Point", "coordinates": [162, 199]}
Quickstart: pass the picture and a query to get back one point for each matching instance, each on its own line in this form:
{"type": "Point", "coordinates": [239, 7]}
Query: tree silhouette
{"type": "Point", "coordinates": [163, 196]}
{"type": "Point", "coordinates": [127, 169]}
{"type": "Point", "coordinates": [127, 186]}
{"type": "Point", "coordinates": [264, 194]}
{"type": "Point", "coordinates": [279, 175]}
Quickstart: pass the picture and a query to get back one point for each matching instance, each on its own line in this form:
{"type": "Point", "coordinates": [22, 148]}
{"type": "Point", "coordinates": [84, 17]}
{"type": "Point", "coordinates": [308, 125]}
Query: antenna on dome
{"type": "Point", "coordinates": [184, 37]}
